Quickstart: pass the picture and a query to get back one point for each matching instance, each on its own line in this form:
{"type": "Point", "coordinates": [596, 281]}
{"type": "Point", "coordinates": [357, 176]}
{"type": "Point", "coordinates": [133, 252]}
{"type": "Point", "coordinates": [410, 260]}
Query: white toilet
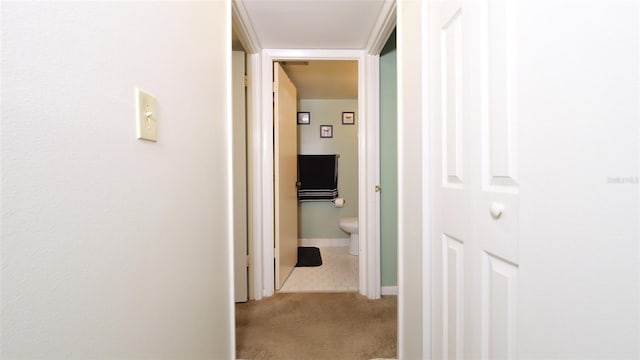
{"type": "Point", "coordinates": [350, 225]}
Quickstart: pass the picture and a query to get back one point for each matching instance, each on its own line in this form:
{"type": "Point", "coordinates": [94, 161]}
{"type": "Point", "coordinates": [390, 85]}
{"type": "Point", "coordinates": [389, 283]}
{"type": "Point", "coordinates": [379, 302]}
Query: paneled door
{"type": "Point", "coordinates": [286, 175]}
{"type": "Point", "coordinates": [475, 181]}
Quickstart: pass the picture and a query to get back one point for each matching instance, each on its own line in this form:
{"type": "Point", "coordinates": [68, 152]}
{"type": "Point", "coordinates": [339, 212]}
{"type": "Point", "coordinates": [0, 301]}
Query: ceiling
{"type": "Point", "coordinates": [314, 24]}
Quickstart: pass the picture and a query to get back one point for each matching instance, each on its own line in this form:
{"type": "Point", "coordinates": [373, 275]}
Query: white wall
{"type": "Point", "coordinates": [114, 247]}
{"type": "Point", "coordinates": [578, 114]}
{"type": "Point", "coordinates": [412, 304]}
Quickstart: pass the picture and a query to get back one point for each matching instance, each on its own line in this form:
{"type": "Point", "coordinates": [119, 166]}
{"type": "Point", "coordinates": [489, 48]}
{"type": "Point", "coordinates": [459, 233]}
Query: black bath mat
{"type": "Point", "coordinates": [308, 256]}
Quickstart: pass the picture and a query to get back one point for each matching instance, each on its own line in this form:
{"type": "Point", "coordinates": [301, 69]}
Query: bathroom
{"type": "Point", "coordinates": [328, 124]}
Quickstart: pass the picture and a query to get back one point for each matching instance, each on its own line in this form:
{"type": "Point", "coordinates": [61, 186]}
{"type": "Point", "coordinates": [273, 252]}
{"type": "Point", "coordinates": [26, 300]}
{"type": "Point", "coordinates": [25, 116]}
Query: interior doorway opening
{"type": "Point", "coordinates": [368, 169]}
{"type": "Point", "coordinates": [326, 130]}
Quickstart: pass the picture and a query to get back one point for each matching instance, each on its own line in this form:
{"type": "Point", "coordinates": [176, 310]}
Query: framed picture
{"type": "Point", "coordinates": [348, 118]}
{"type": "Point", "coordinates": [304, 118]}
{"type": "Point", "coordinates": [326, 131]}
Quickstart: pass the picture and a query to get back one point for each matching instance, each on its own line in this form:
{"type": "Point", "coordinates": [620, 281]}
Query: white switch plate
{"type": "Point", "coordinates": [146, 116]}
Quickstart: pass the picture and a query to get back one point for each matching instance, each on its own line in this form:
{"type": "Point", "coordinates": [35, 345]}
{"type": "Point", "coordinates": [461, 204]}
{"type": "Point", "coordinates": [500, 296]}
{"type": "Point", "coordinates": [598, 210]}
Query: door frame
{"type": "Point", "coordinates": [368, 163]}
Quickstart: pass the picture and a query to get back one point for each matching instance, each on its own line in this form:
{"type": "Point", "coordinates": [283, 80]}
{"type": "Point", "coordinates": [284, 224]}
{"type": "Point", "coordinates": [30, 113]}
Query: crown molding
{"type": "Point", "coordinates": [243, 27]}
{"type": "Point", "coordinates": [382, 30]}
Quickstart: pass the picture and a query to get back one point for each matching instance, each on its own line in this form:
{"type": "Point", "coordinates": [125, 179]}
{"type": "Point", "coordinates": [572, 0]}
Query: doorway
{"type": "Point", "coordinates": [327, 99]}
{"type": "Point", "coordinates": [368, 165]}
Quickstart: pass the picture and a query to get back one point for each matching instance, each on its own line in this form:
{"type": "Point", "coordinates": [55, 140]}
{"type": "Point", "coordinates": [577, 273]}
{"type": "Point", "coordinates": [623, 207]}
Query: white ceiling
{"type": "Point", "coordinates": [312, 24]}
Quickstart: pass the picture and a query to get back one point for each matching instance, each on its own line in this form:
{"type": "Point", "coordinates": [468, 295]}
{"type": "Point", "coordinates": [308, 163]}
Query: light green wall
{"type": "Point", "coordinates": [388, 164]}
{"type": "Point", "coordinates": [319, 220]}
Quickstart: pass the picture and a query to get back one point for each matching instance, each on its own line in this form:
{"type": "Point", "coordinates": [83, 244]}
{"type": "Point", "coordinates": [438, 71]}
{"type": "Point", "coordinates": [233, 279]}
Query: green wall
{"type": "Point", "coordinates": [319, 220]}
{"type": "Point", "coordinates": [388, 164]}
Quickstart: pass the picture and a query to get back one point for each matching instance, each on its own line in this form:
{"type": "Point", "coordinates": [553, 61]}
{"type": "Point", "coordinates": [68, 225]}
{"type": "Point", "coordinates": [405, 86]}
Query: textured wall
{"type": "Point", "coordinates": [114, 247]}
{"type": "Point", "coordinates": [320, 220]}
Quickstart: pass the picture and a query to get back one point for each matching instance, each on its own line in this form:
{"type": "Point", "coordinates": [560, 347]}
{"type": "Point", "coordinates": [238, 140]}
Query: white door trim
{"type": "Point", "coordinates": [245, 32]}
{"type": "Point", "coordinates": [426, 186]}
{"type": "Point", "coordinates": [254, 136]}
{"type": "Point", "coordinates": [369, 152]}
{"type": "Point", "coordinates": [368, 164]}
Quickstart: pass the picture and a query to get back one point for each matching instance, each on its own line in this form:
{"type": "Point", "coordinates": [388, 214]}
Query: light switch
{"type": "Point", "coordinates": [146, 116]}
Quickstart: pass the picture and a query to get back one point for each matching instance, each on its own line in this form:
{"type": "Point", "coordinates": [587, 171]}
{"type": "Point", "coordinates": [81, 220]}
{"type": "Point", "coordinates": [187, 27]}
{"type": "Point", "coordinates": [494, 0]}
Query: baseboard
{"type": "Point", "coordinates": [389, 290]}
{"type": "Point", "coordinates": [325, 242]}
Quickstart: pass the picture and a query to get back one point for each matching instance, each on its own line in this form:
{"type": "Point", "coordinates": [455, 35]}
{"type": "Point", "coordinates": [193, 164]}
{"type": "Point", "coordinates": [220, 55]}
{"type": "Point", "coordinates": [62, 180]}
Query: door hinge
{"type": "Point", "coordinates": [246, 81]}
{"type": "Point", "coordinates": [274, 87]}
{"type": "Point", "coordinates": [248, 261]}
{"type": "Point", "coordinates": [378, 188]}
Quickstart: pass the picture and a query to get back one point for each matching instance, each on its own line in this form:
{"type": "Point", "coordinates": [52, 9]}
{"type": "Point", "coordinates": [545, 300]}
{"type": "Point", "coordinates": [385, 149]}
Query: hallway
{"type": "Point", "coordinates": [314, 326]}
{"type": "Point", "coordinates": [518, 164]}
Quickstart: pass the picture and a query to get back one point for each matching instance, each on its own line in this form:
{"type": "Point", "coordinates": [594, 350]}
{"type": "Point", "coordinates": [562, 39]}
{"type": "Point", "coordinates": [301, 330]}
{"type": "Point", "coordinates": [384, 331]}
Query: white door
{"type": "Point", "coordinates": [475, 184]}
{"type": "Point", "coordinates": [451, 192]}
{"type": "Point", "coordinates": [286, 175]}
{"type": "Point", "coordinates": [239, 179]}
{"type": "Point", "coordinates": [535, 245]}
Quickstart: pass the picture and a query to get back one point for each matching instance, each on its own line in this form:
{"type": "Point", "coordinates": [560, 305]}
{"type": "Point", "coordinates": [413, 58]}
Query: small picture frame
{"type": "Point", "coordinates": [326, 131]}
{"type": "Point", "coordinates": [304, 118]}
{"type": "Point", "coordinates": [348, 118]}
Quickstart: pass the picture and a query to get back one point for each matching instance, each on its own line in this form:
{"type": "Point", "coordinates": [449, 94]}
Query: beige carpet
{"type": "Point", "coordinates": [317, 326]}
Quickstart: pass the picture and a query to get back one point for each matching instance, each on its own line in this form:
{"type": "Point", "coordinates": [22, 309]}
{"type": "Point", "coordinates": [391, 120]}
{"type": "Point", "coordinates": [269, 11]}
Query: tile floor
{"type": "Point", "coordinates": [338, 273]}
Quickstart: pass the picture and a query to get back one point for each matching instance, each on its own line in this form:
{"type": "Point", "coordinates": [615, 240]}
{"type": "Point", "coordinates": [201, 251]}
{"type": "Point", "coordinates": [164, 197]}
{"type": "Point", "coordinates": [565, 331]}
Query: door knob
{"type": "Point", "coordinates": [496, 210]}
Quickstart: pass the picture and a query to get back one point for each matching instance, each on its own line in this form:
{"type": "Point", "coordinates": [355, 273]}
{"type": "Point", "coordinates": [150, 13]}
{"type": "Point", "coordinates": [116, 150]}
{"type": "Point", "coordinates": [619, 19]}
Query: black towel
{"type": "Point", "coordinates": [318, 177]}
